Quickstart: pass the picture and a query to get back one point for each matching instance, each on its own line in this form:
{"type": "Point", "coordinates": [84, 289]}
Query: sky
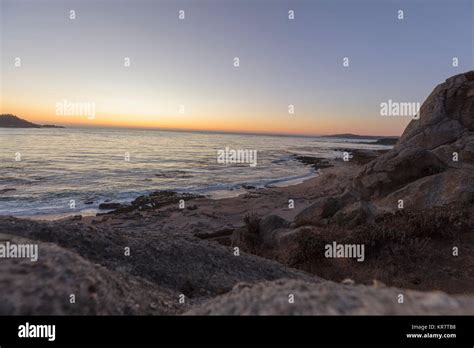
{"type": "Point", "coordinates": [182, 72]}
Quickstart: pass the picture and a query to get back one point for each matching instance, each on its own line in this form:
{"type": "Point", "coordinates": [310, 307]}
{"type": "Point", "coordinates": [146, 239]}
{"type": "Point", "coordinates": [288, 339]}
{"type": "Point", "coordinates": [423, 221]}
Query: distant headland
{"type": "Point", "coordinates": [379, 140]}
{"type": "Point", "coordinates": [12, 121]}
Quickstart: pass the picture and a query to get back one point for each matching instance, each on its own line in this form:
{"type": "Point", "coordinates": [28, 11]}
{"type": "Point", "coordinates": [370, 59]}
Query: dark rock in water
{"type": "Point", "coordinates": [431, 164]}
{"type": "Point", "coordinates": [152, 201]}
{"type": "Point", "coordinates": [173, 174]}
{"type": "Point", "coordinates": [315, 162]}
{"type": "Point", "coordinates": [386, 141]}
{"type": "Point", "coordinates": [155, 198]}
{"type": "Point", "coordinates": [328, 298]}
{"type": "Point", "coordinates": [248, 187]}
{"type": "Point", "coordinates": [106, 206]}
{"type": "Point", "coordinates": [89, 202]}
{"type": "Point", "coordinates": [383, 141]}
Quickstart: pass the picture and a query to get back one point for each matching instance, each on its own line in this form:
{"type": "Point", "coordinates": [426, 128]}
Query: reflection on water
{"type": "Point", "coordinates": [89, 166]}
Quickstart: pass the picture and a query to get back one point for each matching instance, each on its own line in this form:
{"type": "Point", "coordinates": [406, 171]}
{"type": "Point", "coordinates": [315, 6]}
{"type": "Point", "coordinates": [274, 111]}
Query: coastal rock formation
{"type": "Point", "coordinates": [96, 255]}
{"type": "Point", "coordinates": [431, 165]}
{"type": "Point", "coordinates": [328, 298]}
{"type": "Point", "coordinates": [46, 285]}
{"type": "Point", "coordinates": [151, 201]}
{"type": "Point", "coordinates": [259, 232]}
{"type": "Point", "coordinates": [140, 258]}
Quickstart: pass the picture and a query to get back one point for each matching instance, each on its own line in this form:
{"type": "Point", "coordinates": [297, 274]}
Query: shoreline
{"type": "Point", "coordinates": [359, 156]}
{"type": "Point", "coordinates": [213, 195]}
{"type": "Point", "coordinates": [411, 211]}
{"type": "Point", "coordinates": [221, 222]}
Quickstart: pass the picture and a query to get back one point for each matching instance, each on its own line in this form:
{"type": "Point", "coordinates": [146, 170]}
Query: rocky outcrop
{"type": "Point", "coordinates": [97, 256]}
{"type": "Point", "coordinates": [294, 297]}
{"type": "Point", "coordinates": [259, 232]}
{"type": "Point", "coordinates": [108, 206]}
{"type": "Point", "coordinates": [12, 121]}
{"type": "Point", "coordinates": [126, 262]}
{"type": "Point", "coordinates": [268, 228]}
{"type": "Point", "coordinates": [151, 201]}
{"type": "Point", "coordinates": [61, 282]}
{"type": "Point", "coordinates": [431, 165]}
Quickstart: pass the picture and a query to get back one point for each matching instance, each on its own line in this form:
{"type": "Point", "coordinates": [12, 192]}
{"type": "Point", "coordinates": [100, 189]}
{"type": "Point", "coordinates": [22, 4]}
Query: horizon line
{"type": "Point", "coordinates": [212, 131]}
{"type": "Point", "coordinates": [237, 132]}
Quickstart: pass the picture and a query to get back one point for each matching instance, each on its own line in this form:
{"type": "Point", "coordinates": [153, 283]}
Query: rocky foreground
{"type": "Point", "coordinates": [253, 254]}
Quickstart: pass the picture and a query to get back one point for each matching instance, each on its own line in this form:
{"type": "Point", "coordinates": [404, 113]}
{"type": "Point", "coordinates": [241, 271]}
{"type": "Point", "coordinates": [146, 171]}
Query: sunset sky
{"type": "Point", "coordinates": [190, 62]}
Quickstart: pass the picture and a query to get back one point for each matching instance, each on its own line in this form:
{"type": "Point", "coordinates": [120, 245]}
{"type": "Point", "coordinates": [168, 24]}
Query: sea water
{"type": "Point", "coordinates": [72, 170]}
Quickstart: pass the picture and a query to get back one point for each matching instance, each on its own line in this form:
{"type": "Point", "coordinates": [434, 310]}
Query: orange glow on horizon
{"type": "Point", "coordinates": [191, 122]}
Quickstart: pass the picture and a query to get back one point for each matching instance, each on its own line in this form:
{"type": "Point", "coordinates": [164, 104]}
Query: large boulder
{"type": "Point", "coordinates": [180, 263]}
{"type": "Point", "coordinates": [328, 298]}
{"type": "Point", "coordinates": [319, 211]}
{"type": "Point", "coordinates": [60, 282]}
{"type": "Point", "coordinates": [432, 164]}
{"type": "Point", "coordinates": [268, 228]}
{"type": "Point", "coordinates": [259, 232]}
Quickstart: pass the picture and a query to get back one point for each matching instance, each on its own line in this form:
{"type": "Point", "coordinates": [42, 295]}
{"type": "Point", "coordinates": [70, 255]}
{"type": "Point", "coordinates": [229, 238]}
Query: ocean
{"type": "Point", "coordinates": [59, 172]}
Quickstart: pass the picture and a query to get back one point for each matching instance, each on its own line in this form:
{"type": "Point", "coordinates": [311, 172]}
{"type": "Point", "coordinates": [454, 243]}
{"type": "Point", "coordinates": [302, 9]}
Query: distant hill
{"type": "Point", "coordinates": [356, 136]}
{"type": "Point", "coordinates": [12, 121]}
{"type": "Point", "coordinates": [379, 140]}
